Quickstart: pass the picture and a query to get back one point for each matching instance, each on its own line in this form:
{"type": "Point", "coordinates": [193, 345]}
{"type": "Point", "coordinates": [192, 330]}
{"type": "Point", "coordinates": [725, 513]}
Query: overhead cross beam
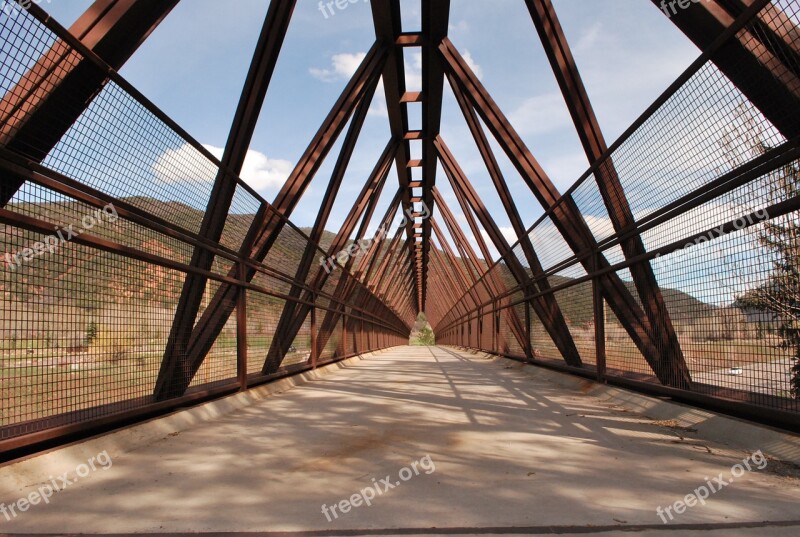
{"type": "Point", "coordinates": [388, 29]}
{"type": "Point", "coordinates": [435, 21]}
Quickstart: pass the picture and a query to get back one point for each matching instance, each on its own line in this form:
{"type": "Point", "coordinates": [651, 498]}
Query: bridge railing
{"type": "Point", "coordinates": [98, 236]}
{"type": "Point", "coordinates": [712, 185]}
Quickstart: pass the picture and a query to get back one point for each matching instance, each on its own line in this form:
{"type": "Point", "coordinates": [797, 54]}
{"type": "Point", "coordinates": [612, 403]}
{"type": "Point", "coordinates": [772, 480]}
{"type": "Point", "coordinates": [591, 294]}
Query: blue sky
{"type": "Point", "coordinates": [194, 64]}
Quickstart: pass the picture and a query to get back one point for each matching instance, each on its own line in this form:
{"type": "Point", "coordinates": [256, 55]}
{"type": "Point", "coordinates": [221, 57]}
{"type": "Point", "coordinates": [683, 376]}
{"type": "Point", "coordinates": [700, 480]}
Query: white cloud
{"type": "Point", "coordinates": [541, 114]}
{"type": "Point", "coordinates": [262, 173]}
{"type": "Point", "coordinates": [343, 66]}
{"type": "Point", "coordinates": [414, 72]}
{"type": "Point", "coordinates": [460, 26]}
{"type": "Point", "coordinates": [473, 64]}
{"type": "Point", "coordinates": [259, 171]}
{"type": "Point", "coordinates": [564, 169]}
{"type": "Point", "coordinates": [182, 165]}
{"type": "Point", "coordinates": [589, 38]}
{"type": "Point", "coordinates": [508, 233]}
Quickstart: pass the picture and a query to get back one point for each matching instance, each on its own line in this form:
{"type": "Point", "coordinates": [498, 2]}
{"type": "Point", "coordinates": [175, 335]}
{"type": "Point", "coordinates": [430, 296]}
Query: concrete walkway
{"type": "Point", "coordinates": [448, 443]}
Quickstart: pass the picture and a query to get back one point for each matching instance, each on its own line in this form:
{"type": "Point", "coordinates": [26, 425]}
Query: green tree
{"type": "Point", "coordinates": [422, 333]}
{"type": "Point", "coordinates": [780, 295]}
{"type": "Point", "coordinates": [426, 337]}
{"type": "Point", "coordinates": [745, 138]}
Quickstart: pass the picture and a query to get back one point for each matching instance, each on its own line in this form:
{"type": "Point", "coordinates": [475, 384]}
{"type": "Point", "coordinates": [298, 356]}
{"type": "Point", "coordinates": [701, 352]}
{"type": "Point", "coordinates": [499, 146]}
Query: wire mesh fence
{"type": "Point", "coordinates": [101, 219]}
{"type": "Point", "coordinates": [712, 184]}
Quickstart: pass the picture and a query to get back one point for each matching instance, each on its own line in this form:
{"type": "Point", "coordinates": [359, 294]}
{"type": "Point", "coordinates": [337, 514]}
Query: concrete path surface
{"type": "Point", "coordinates": [437, 442]}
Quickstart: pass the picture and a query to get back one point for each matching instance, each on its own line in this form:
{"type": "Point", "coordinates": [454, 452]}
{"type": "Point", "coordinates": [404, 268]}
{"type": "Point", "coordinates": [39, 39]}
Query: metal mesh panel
{"type": "Point", "coordinates": [590, 203]}
{"type": "Point", "coordinates": [577, 307]}
{"type": "Point", "coordinates": [33, 64]}
{"type": "Point", "coordinates": [240, 218]}
{"type": "Point", "coordinates": [74, 338]}
{"type": "Point", "coordinates": [96, 251]}
{"type": "Point", "coordinates": [300, 351]}
{"type": "Point", "coordinates": [220, 363]}
{"type": "Point", "coordinates": [542, 344]}
{"type": "Point", "coordinates": [333, 347]}
{"type": "Point", "coordinates": [549, 245]}
{"type": "Point", "coordinates": [712, 183]}
{"type": "Point", "coordinates": [487, 328]}
{"type": "Point", "coordinates": [696, 136]}
{"type": "Point", "coordinates": [120, 148]}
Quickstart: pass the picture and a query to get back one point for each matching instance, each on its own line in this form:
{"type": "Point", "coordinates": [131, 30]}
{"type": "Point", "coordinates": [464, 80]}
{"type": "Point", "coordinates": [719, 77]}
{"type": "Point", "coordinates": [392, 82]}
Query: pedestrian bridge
{"type": "Point", "coordinates": [426, 329]}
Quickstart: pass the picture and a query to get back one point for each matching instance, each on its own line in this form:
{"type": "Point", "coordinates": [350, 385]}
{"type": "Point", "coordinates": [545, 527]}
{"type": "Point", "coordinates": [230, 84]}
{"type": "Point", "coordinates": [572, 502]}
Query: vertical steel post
{"type": "Point", "coordinates": [599, 324]}
{"type": "Point", "coordinates": [314, 352]}
{"type": "Point", "coordinates": [241, 331]}
{"type": "Point", "coordinates": [344, 331]}
{"type": "Point", "coordinates": [495, 325]}
{"type": "Point", "coordinates": [528, 342]}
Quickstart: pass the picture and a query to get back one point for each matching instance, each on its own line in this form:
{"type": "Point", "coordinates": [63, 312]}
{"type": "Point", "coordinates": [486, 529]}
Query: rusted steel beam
{"type": "Point", "coordinates": [241, 336]}
{"type": "Point", "coordinates": [269, 223]}
{"type": "Point", "coordinates": [567, 219]}
{"type": "Point", "coordinates": [365, 203]}
{"type": "Point", "coordinates": [365, 268]}
{"type": "Point", "coordinates": [363, 271]}
{"type": "Point", "coordinates": [608, 183]}
{"type": "Point", "coordinates": [390, 253]}
{"type": "Point", "coordinates": [545, 306]}
{"type": "Point", "coordinates": [52, 95]}
{"type": "Point", "coordinates": [476, 293]}
{"type": "Point", "coordinates": [295, 316]}
{"type": "Point", "coordinates": [390, 271]}
{"type": "Point", "coordinates": [287, 327]}
{"type": "Point", "coordinates": [457, 267]}
{"type": "Point", "coordinates": [472, 223]}
{"type": "Point", "coordinates": [499, 182]}
{"type": "Point", "coordinates": [503, 191]}
{"type": "Point", "coordinates": [445, 290]}
{"type": "Point", "coordinates": [400, 263]}
{"type": "Point", "coordinates": [491, 285]}
{"type": "Point", "coordinates": [492, 279]}
{"type": "Point", "coordinates": [460, 239]}
{"type": "Point", "coordinates": [262, 66]}
{"type": "Point", "coordinates": [764, 69]}
{"type": "Point", "coordinates": [456, 285]}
